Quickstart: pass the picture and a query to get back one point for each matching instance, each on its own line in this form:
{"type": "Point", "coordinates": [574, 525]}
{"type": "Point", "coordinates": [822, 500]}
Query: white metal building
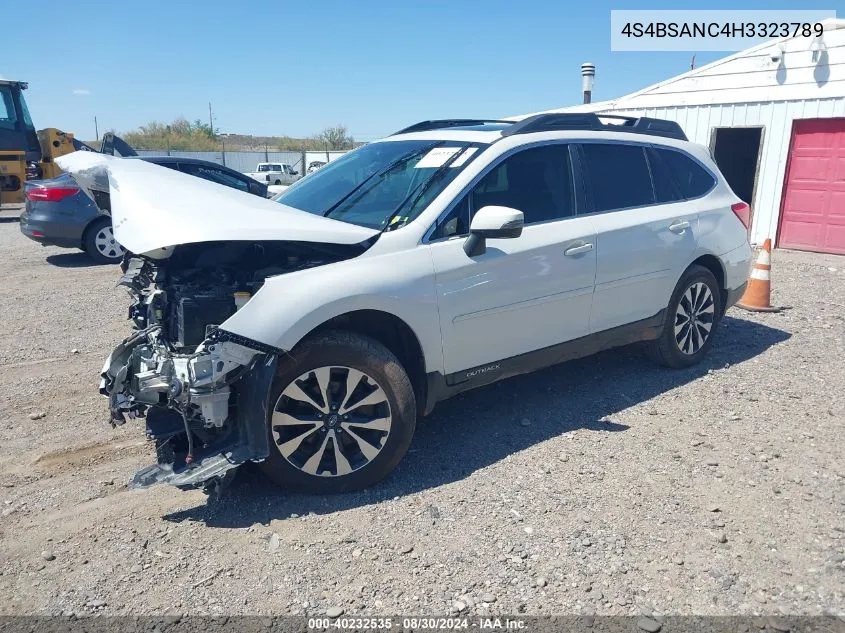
{"type": "Point", "coordinates": [774, 118]}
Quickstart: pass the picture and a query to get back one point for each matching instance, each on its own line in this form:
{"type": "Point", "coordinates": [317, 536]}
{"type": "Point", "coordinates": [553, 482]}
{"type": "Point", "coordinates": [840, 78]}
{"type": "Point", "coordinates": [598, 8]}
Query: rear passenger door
{"type": "Point", "coordinates": [646, 232]}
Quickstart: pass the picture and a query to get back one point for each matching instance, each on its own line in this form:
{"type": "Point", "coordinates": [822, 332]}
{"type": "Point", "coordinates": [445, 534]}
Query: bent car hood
{"type": "Point", "coordinates": [154, 207]}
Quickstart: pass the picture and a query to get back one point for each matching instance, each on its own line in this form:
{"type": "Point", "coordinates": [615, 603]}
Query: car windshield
{"type": "Point", "coordinates": [382, 185]}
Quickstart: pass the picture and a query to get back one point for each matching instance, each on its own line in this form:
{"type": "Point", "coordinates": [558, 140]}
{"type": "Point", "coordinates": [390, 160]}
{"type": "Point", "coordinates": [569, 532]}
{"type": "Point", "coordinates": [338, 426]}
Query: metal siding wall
{"type": "Point", "coordinates": [777, 119]}
{"type": "Point", "coordinates": [772, 164]}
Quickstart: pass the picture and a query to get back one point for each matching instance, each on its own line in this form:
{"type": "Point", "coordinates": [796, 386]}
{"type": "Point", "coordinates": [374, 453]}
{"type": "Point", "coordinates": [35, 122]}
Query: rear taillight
{"type": "Point", "coordinates": [50, 194]}
{"type": "Point", "coordinates": [743, 211]}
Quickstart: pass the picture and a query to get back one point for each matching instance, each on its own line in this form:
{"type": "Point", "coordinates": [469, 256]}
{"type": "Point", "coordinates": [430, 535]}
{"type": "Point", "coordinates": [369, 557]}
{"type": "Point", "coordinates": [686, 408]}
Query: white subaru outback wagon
{"type": "Point", "coordinates": [309, 334]}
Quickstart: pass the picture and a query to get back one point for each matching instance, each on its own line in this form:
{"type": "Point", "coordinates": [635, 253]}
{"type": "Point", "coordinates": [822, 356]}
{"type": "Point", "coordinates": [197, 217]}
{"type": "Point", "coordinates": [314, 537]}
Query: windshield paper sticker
{"type": "Point", "coordinates": [439, 155]}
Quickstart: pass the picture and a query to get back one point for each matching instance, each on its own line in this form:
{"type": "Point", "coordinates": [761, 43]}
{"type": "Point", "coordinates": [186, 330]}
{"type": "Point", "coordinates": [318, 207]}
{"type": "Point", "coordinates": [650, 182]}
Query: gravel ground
{"type": "Point", "coordinates": [604, 486]}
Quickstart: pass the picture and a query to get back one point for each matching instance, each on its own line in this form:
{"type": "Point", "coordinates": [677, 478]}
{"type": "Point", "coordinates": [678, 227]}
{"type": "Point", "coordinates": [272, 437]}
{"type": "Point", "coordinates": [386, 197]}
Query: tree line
{"type": "Point", "coordinates": [196, 136]}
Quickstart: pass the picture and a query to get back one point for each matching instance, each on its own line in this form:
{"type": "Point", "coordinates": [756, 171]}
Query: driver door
{"type": "Point", "coordinates": [523, 294]}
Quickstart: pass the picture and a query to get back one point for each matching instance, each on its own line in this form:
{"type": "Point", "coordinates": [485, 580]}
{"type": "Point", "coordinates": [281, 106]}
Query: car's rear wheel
{"type": "Point", "coordinates": [692, 315]}
{"type": "Point", "coordinates": [343, 415]}
{"type": "Point", "coordinates": [100, 244]}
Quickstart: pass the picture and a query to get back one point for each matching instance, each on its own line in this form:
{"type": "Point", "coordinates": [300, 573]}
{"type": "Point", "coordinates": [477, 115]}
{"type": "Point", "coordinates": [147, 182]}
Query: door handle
{"type": "Point", "coordinates": [577, 250]}
{"type": "Point", "coordinates": [679, 227]}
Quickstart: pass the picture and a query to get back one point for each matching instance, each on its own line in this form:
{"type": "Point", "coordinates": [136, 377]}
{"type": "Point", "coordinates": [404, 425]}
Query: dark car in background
{"type": "Point", "coordinates": [58, 213]}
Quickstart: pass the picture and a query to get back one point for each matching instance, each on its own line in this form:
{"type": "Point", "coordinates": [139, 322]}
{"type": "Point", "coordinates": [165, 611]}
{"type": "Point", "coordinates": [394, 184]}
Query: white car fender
{"type": "Point", "coordinates": [288, 307]}
{"type": "Point", "coordinates": [734, 265]}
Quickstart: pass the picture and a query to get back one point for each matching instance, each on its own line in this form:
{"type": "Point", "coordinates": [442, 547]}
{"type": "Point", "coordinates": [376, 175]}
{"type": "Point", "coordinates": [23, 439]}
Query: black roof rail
{"type": "Point", "coordinates": [592, 121]}
{"type": "Point", "coordinates": [439, 124]}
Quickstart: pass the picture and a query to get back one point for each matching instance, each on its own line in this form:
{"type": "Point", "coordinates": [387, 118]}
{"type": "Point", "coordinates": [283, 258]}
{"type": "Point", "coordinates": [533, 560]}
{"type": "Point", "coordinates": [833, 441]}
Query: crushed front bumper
{"type": "Point", "coordinates": [206, 412]}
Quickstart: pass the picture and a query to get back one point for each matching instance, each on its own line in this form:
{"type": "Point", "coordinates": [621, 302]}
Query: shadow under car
{"type": "Point", "coordinates": [580, 394]}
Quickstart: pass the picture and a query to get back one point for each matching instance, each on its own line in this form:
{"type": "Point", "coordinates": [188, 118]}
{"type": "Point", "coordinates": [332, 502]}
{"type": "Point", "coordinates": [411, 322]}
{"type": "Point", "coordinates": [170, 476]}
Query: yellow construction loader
{"type": "Point", "coordinates": [25, 153]}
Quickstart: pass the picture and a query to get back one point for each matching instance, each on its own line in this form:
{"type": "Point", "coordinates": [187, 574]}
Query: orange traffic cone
{"type": "Point", "coordinates": [757, 296]}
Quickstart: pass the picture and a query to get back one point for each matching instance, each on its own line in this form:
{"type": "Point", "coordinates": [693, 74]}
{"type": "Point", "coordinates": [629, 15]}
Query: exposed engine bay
{"type": "Point", "coordinates": [202, 390]}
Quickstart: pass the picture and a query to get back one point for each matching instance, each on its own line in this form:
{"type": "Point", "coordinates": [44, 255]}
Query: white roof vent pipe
{"type": "Point", "coordinates": [588, 74]}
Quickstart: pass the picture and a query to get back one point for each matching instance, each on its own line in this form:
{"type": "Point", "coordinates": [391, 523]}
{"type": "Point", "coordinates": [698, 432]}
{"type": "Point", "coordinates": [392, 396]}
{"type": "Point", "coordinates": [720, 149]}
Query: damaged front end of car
{"type": "Point", "coordinates": [202, 390]}
{"type": "Point", "coordinates": [202, 252]}
{"type": "Point", "coordinates": [195, 405]}
{"type": "Point", "coordinates": [203, 397]}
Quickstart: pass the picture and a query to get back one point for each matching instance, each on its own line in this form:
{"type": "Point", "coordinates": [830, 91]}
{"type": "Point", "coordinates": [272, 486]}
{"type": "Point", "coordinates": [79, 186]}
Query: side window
{"type": "Point", "coordinates": [665, 187]}
{"type": "Point", "coordinates": [692, 178]}
{"type": "Point", "coordinates": [455, 223]}
{"type": "Point", "coordinates": [215, 175]}
{"type": "Point", "coordinates": [170, 164]}
{"type": "Point", "coordinates": [536, 181]}
{"type": "Point", "coordinates": [8, 120]}
{"type": "Point", "coordinates": [618, 176]}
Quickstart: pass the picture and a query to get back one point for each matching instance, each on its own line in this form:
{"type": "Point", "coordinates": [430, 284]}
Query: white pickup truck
{"type": "Point", "coordinates": [274, 173]}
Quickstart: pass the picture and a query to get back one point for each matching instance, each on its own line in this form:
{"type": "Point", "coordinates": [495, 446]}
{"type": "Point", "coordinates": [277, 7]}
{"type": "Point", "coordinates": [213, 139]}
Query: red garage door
{"type": "Point", "coordinates": [813, 208]}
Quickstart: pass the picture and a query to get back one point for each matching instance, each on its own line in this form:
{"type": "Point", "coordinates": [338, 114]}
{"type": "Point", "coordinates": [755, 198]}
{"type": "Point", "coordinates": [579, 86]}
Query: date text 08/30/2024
{"type": "Point", "coordinates": [416, 624]}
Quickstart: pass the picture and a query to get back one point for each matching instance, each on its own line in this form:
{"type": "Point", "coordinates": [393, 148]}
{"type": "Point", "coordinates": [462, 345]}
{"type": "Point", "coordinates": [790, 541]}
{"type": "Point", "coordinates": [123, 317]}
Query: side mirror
{"type": "Point", "coordinates": [493, 223]}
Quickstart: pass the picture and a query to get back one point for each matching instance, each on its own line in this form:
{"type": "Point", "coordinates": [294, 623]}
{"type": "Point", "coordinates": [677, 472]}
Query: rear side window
{"type": "Point", "coordinates": [215, 175]}
{"type": "Point", "coordinates": [692, 179]}
{"type": "Point", "coordinates": [665, 187]}
{"type": "Point", "coordinates": [169, 164]}
{"type": "Point", "coordinates": [618, 176]}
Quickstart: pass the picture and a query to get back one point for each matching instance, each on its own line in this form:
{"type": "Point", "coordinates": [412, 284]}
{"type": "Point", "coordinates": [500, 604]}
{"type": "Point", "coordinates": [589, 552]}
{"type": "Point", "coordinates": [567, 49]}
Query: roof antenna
{"type": "Point", "coordinates": [692, 63]}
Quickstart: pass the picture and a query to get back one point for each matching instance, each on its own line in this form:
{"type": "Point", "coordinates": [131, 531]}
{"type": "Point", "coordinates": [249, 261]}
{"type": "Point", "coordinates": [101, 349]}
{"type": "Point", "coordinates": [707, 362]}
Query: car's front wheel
{"type": "Point", "coordinates": [692, 315]}
{"type": "Point", "coordinates": [100, 244]}
{"type": "Point", "coordinates": [343, 415]}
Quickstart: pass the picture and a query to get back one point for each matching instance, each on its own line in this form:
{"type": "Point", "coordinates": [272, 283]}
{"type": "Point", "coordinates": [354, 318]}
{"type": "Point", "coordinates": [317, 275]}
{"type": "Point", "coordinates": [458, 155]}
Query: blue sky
{"type": "Point", "coordinates": [293, 68]}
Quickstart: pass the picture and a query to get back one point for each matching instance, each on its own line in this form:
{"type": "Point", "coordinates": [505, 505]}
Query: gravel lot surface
{"type": "Point", "coordinates": [604, 486]}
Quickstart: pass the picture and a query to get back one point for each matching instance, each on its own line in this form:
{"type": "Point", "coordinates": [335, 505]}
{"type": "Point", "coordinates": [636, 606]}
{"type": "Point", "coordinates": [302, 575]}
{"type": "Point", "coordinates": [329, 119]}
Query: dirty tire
{"type": "Point", "coordinates": [666, 350]}
{"type": "Point", "coordinates": [340, 351]}
{"type": "Point", "coordinates": [95, 242]}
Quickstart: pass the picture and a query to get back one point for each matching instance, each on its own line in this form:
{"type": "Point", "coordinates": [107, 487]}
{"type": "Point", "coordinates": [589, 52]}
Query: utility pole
{"type": "Point", "coordinates": [96, 129]}
{"type": "Point", "coordinates": [210, 120]}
